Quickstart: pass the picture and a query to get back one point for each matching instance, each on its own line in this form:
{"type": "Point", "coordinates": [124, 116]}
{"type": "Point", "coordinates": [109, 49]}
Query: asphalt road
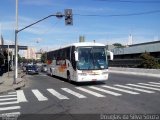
{"type": "Point", "coordinates": [53, 98]}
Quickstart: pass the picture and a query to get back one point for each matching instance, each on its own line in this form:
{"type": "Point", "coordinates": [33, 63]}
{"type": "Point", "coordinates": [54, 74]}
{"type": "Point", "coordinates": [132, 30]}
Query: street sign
{"type": "Point", "coordinates": [13, 46]}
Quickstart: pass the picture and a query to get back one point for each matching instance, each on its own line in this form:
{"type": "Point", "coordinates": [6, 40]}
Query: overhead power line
{"type": "Point", "coordinates": [117, 15]}
{"type": "Point", "coordinates": [131, 1]}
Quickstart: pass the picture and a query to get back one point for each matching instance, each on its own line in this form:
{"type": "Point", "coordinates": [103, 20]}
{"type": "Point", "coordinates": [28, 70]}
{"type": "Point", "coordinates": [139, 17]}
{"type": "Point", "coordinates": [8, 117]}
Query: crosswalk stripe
{"type": "Point", "coordinates": [9, 108]}
{"type": "Point", "coordinates": [122, 90]}
{"type": "Point", "coordinates": [7, 103]}
{"type": "Point", "coordinates": [20, 96]}
{"type": "Point", "coordinates": [74, 93]}
{"type": "Point", "coordinates": [105, 91]}
{"type": "Point", "coordinates": [12, 93]}
{"type": "Point", "coordinates": [58, 95]}
{"type": "Point", "coordinates": [144, 87]}
{"type": "Point", "coordinates": [5, 99]}
{"type": "Point", "coordinates": [154, 83]}
{"type": "Point", "coordinates": [2, 96]}
{"type": "Point", "coordinates": [90, 92]}
{"type": "Point", "coordinates": [39, 95]}
{"type": "Point", "coordinates": [149, 85]}
{"type": "Point", "coordinates": [141, 90]}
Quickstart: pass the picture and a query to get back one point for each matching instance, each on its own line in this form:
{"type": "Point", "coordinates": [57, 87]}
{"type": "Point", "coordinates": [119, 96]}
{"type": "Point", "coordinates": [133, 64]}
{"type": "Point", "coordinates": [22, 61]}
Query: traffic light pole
{"type": "Point", "coordinates": [68, 21]}
{"type": "Point", "coordinates": [38, 22]}
{"type": "Point", "coordinates": [16, 47]}
{"type": "Point", "coordinates": [16, 34]}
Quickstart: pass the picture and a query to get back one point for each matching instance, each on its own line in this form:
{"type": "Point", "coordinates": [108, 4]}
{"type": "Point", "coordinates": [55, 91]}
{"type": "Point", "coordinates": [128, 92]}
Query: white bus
{"type": "Point", "coordinates": [79, 62]}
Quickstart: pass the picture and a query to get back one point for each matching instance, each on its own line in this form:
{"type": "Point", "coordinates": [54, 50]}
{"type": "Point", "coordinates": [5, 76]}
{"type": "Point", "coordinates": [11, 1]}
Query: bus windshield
{"type": "Point", "coordinates": [92, 58]}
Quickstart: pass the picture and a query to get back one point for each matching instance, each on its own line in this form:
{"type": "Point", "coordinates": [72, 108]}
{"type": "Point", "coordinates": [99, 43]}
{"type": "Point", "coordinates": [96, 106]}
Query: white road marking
{"type": "Point", "coordinates": [7, 96]}
{"type": "Point", "coordinates": [39, 95]}
{"type": "Point", "coordinates": [9, 108]}
{"type": "Point", "coordinates": [5, 99]}
{"type": "Point", "coordinates": [106, 91]}
{"type": "Point", "coordinates": [12, 113]}
{"type": "Point", "coordinates": [90, 92]}
{"type": "Point", "coordinates": [58, 95]}
{"type": "Point", "coordinates": [122, 90]}
{"type": "Point", "coordinates": [12, 93]}
{"type": "Point", "coordinates": [20, 96]}
{"type": "Point", "coordinates": [154, 83]}
{"type": "Point", "coordinates": [8, 103]}
{"type": "Point", "coordinates": [149, 85]}
{"type": "Point", "coordinates": [144, 87]}
{"type": "Point", "coordinates": [132, 88]}
{"type": "Point", "coordinates": [74, 93]}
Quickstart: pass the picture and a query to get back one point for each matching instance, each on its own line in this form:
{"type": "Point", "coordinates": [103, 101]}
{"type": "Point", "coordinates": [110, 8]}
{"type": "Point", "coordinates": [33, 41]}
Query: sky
{"type": "Point", "coordinates": [105, 21]}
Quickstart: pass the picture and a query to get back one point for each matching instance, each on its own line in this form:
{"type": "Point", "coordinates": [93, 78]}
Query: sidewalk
{"type": "Point", "coordinates": [6, 82]}
{"type": "Point", "coordinates": [136, 71]}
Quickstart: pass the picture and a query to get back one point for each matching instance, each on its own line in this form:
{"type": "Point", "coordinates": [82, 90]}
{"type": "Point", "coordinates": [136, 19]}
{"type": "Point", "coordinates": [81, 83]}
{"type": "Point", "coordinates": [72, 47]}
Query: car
{"type": "Point", "coordinates": [44, 68]}
{"type": "Point", "coordinates": [32, 69]}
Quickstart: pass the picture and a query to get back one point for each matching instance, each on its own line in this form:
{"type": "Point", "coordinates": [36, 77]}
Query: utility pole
{"type": "Point", "coordinates": [16, 46]}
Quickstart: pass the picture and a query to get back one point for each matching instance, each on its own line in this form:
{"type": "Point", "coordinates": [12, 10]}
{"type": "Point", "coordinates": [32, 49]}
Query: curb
{"type": "Point", "coordinates": [19, 85]}
{"type": "Point", "coordinates": [135, 73]}
{"type": "Point", "coordinates": [12, 89]}
{"type": "Point", "coordinates": [6, 91]}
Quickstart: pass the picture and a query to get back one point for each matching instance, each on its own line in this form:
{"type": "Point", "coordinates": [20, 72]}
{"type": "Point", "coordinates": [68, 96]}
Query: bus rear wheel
{"type": "Point", "coordinates": [51, 72]}
{"type": "Point", "coordinates": [68, 77]}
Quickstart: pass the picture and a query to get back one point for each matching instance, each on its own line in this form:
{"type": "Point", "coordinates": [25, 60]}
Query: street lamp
{"type": "Point", "coordinates": [58, 15]}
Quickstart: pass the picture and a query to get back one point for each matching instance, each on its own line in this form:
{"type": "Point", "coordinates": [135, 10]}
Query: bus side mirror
{"type": "Point", "coordinates": [111, 55]}
{"type": "Point", "coordinates": [76, 55]}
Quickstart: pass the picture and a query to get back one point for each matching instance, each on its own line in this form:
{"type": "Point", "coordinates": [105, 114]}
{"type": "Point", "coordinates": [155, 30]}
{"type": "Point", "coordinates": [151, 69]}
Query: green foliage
{"type": "Point", "coordinates": [44, 57]}
{"type": "Point", "coordinates": [159, 61]}
{"type": "Point", "coordinates": [22, 59]}
{"type": "Point", "coordinates": [148, 61]}
{"type": "Point", "coordinates": [118, 45]}
{"type": "Point", "coordinates": [19, 58]}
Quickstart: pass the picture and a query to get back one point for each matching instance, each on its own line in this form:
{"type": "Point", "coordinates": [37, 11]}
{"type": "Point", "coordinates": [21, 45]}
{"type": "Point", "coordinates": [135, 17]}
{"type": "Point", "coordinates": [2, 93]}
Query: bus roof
{"type": "Point", "coordinates": [80, 44]}
{"type": "Point", "coordinates": [87, 44]}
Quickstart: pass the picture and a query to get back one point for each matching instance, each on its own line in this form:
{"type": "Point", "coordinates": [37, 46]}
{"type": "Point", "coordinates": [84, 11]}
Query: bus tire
{"type": "Point", "coordinates": [68, 76]}
{"type": "Point", "coordinates": [51, 72]}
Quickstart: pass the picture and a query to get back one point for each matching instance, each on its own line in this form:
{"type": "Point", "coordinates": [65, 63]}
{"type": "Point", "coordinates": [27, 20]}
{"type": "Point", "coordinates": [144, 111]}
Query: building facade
{"type": "Point", "coordinates": [30, 53]}
{"type": "Point", "coordinates": [129, 56]}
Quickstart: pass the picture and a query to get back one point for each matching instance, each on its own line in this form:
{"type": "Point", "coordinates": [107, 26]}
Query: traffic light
{"type": "Point", "coordinates": [68, 17]}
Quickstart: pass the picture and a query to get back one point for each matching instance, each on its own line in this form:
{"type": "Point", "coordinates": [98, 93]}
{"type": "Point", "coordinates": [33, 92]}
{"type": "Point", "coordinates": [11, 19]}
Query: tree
{"type": "Point", "coordinates": [148, 61]}
{"type": "Point", "coordinates": [19, 58]}
{"type": "Point", "coordinates": [118, 45]}
{"type": "Point", "coordinates": [44, 57]}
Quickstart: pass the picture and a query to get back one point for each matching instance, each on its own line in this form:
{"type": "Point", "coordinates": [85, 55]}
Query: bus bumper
{"type": "Point", "coordinates": [88, 77]}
